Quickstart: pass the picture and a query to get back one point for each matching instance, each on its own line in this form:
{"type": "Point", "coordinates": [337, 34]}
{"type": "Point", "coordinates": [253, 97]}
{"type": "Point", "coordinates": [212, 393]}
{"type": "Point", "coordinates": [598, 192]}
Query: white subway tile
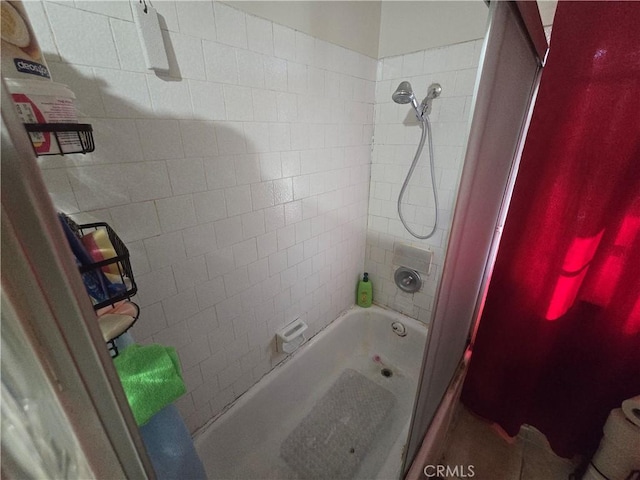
{"type": "Point", "coordinates": [146, 180]}
{"type": "Point", "coordinates": [277, 262]}
{"type": "Point", "coordinates": [110, 8]}
{"type": "Point", "coordinates": [220, 262]}
{"type": "Point", "coordinates": [412, 64]}
{"type": "Point", "coordinates": [253, 224]}
{"type": "Point", "coordinates": [216, 363]}
{"type": "Point", "coordinates": [297, 78]}
{"type": "Point", "coordinates": [210, 206]}
{"type": "Point", "coordinates": [275, 74]}
{"type": "Point", "coordinates": [280, 136]}
{"type": "Point", "coordinates": [167, 15]}
{"type": "Point", "coordinates": [124, 94]}
{"type": "Point", "coordinates": [264, 105]}
{"type": "Point", "coordinates": [270, 166]}
{"type": "Point", "coordinates": [165, 249]}
{"type": "Point", "coordinates": [305, 49]}
{"type": "Point", "coordinates": [98, 186]}
{"type": "Point", "coordinates": [434, 60]}
{"type": "Point", "coordinates": [160, 139]}
{"type": "Point", "coordinates": [274, 217]}
{"type": "Point", "coordinates": [230, 25]}
{"type": "Point", "coordinates": [301, 187]}
{"type": "Point", "coordinates": [256, 137]}
{"type": "Point", "coordinates": [260, 35]}
{"type": "Point", "coordinates": [228, 231]}
{"type": "Point", "coordinates": [315, 81]}
{"type": "Point", "coordinates": [82, 37]}
{"type": "Point", "coordinates": [220, 62]}
{"type": "Point", "coordinates": [293, 212]}
{"type": "Point", "coordinates": [188, 55]}
{"type": "Point", "coordinates": [135, 221]}
{"type": "Point", "coordinates": [207, 100]}
{"type": "Point", "coordinates": [245, 252]}
{"type": "Point", "coordinates": [236, 281]}
{"type": "Point", "coordinates": [238, 200]}
{"type": "Point", "coordinates": [190, 273]}
{"type": "Point", "coordinates": [303, 231]}
{"type": "Point", "coordinates": [186, 175]}
{"type": "Point", "coordinates": [154, 322]}
{"type": "Point", "coordinates": [211, 292]}
{"type": "Point", "coordinates": [59, 188]}
{"type": "Point", "coordinates": [198, 138]}
{"type": "Point", "coordinates": [176, 213]}
{"type": "Point", "coordinates": [267, 244]}
{"type": "Point", "coordinates": [287, 110]}
{"type": "Point", "coordinates": [194, 352]}
{"type": "Point", "coordinates": [238, 103]}
{"type": "Point", "coordinates": [196, 19]}
{"type": "Point", "coordinates": [465, 81]}
{"type": "Point", "coordinates": [155, 286]}
{"type": "Point", "coordinates": [299, 136]}
{"type": "Point", "coordinates": [286, 237]}
{"type": "Point", "coordinates": [262, 195]}
{"type": "Point", "coordinates": [295, 255]}
{"type": "Point", "coordinates": [247, 168]}
{"type": "Point", "coordinates": [284, 42]}
{"type": "Point", "coordinates": [290, 163]}
{"type": "Point", "coordinates": [282, 190]}
{"type": "Point", "coordinates": [127, 45]}
{"type": "Point", "coordinates": [199, 240]}
{"type": "Point", "coordinates": [230, 138]}
{"type": "Point", "coordinates": [219, 172]}
{"type": "Point", "coordinates": [459, 56]}
{"type": "Point", "coordinates": [250, 69]}
{"type": "Point", "coordinates": [392, 68]}
{"type": "Point", "coordinates": [169, 98]}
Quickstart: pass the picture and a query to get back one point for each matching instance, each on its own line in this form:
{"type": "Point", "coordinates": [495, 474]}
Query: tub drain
{"type": "Point", "coordinates": [386, 372]}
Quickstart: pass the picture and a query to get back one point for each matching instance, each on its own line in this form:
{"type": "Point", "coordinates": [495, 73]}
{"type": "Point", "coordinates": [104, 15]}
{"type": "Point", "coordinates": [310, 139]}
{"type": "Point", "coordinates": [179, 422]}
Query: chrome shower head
{"type": "Point", "coordinates": [434, 91]}
{"type": "Point", "coordinates": [403, 94]}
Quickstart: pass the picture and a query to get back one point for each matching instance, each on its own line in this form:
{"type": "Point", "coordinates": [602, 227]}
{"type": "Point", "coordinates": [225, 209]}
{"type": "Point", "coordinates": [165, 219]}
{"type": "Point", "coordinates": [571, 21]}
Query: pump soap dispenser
{"type": "Point", "coordinates": [365, 291]}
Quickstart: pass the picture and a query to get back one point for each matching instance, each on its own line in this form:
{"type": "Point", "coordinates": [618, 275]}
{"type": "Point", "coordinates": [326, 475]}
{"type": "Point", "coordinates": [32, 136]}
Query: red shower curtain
{"type": "Point", "coordinates": [559, 340]}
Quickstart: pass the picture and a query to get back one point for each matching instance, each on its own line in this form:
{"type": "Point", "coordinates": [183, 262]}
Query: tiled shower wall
{"type": "Point", "coordinates": [395, 142]}
{"type": "Point", "coordinates": [239, 182]}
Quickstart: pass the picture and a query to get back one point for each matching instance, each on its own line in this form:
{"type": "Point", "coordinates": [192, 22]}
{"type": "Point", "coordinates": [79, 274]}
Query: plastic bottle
{"type": "Point", "coordinates": [365, 292]}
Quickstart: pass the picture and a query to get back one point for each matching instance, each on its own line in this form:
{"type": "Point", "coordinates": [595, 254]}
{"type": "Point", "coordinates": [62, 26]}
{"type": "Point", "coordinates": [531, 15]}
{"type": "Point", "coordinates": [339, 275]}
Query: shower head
{"type": "Point", "coordinates": [434, 91]}
{"type": "Point", "coordinates": [404, 94]}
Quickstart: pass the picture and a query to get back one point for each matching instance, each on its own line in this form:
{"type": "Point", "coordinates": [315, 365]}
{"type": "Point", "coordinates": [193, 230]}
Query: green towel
{"type": "Point", "coordinates": [151, 378]}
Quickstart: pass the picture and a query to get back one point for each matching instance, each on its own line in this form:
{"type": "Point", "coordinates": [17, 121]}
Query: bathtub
{"type": "Point", "coordinates": [249, 440]}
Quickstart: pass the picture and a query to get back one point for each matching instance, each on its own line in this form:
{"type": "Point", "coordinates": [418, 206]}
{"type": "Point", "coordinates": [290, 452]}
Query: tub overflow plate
{"type": "Point", "coordinates": [408, 280]}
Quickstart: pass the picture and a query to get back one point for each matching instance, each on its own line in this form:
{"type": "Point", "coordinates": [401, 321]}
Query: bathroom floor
{"type": "Point", "coordinates": [496, 456]}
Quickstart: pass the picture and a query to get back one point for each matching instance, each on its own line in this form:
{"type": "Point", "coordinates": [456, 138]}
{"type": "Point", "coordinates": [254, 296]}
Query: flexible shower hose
{"type": "Point", "coordinates": [425, 131]}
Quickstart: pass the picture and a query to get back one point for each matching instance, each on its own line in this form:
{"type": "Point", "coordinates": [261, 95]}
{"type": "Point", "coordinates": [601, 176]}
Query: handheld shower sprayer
{"type": "Point", "coordinates": [404, 94]}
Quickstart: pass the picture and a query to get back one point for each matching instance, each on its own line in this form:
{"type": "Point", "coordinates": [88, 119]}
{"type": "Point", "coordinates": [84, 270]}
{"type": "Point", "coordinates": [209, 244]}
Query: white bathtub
{"type": "Point", "coordinates": [245, 441]}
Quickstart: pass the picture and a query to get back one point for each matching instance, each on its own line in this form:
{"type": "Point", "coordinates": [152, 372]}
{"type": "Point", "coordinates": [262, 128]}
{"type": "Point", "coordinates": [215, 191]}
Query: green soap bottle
{"type": "Point", "coordinates": [365, 291]}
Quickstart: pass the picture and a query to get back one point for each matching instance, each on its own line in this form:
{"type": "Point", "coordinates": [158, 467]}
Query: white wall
{"type": "Point", "coordinates": [396, 138]}
{"type": "Point", "coordinates": [353, 25]}
{"type": "Point", "coordinates": [413, 26]}
{"type": "Point", "coordinates": [239, 183]}
{"type": "Point", "coordinates": [379, 29]}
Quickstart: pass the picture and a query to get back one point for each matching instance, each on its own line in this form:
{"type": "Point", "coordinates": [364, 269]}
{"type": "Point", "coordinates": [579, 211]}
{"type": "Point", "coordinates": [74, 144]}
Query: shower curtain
{"type": "Point", "coordinates": [558, 344]}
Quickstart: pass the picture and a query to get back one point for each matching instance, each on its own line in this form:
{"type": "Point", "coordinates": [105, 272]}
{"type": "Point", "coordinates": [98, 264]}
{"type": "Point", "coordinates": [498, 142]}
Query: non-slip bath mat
{"type": "Point", "coordinates": [334, 438]}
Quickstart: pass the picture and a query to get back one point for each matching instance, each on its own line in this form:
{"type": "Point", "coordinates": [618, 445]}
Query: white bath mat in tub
{"type": "Point", "coordinates": [334, 438]}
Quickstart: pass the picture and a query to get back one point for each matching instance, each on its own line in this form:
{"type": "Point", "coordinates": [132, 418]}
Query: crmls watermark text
{"type": "Point", "coordinates": [458, 471]}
